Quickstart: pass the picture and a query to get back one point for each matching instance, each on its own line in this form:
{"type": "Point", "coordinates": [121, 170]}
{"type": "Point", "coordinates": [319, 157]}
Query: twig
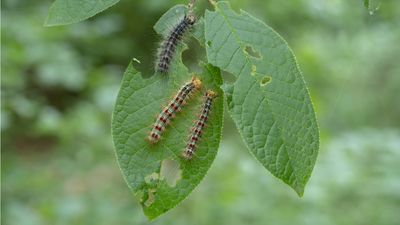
{"type": "Point", "coordinates": [191, 6]}
{"type": "Point", "coordinates": [212, 2]}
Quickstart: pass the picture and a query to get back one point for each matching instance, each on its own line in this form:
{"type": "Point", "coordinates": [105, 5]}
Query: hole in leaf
{"type": "Point", "coordinates": [150, 197]}
{"type": "Point", "coordinates": [170, 172]}
{"type": "Point", "coordinates": [252, 52]}
{"type": "Point", "coordinates": [151, 178]}
{"type": "Point", "coordinates": [253, 70]}
{"type": "Point", "coordinates": [265, 80]}
{"type": "Point", "coordinates": [228, 77]}
{"type": "Point", "coordinates": [209, 43]}
{"type": "Point", "coordinates": [190, 55]}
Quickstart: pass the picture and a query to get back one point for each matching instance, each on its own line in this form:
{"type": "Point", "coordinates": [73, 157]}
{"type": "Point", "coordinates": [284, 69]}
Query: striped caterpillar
{"type": "Point", "coordinates": [174, 106]}
{"type": "Point", "coordinates": [199, 125]}
{"type": "Point", "coordinates": [168, 46]}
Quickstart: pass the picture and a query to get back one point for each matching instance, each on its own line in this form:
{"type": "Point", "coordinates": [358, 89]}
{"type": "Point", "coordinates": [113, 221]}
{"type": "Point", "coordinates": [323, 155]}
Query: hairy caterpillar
{"type": "Point", "coordinates": [168, 46]}
{"type": "Point", "coordinates": [199, 125]}
{"type": "Point", "coordinates": [174, 106]}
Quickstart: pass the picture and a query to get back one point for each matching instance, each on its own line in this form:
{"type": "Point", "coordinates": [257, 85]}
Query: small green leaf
{"type": "Point", "coordinates": [372, 6]}
{"type": "Point", "coordinates": [269, 101]}
{"type": "Point", "coordinates": [156, 173]}
{"type": "Point", "coordinates": [64, 12]}
{"type": "Point", "coordinates": [366, 4]}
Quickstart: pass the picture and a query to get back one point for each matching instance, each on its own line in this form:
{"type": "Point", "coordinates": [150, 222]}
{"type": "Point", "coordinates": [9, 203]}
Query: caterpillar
{"type": "Point", "coordinates": [168, 46]}
{"type": "Point", "coordinates": [174, 106]}
{"type": "Point", "coordinates": [199, 125]}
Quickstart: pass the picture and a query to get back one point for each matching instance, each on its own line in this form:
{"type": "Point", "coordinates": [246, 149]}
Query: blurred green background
{"type": "Point", "coordinates": [59, 85]}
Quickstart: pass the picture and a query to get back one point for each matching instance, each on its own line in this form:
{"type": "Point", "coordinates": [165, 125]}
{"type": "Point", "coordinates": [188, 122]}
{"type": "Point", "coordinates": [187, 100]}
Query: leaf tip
{"type": "Point", "coordinates": [300, 191]}
{"type": "Point", "coordinates": [46, 22]}
{"type": "Point", "coordinates": [298, 187]}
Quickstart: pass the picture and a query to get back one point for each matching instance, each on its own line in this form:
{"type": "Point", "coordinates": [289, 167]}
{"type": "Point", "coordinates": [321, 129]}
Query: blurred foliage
{"type": "Point", "coordinates": [59, 85]}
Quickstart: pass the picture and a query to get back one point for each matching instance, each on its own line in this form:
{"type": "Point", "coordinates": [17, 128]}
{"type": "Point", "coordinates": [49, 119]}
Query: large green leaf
{"type": "Point", "coordinates": [269, 101]}
{"type": "Point", "coordinates": [155, 172]}
{"type": "Point", "coordinates": [71, 11]}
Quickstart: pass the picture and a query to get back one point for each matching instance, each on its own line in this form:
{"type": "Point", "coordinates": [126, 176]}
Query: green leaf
{"type": "Point", "coordinates": [198, 32]}
{"type": "Point", "coordinates": [269, 101]}
{"type": "Point", "coordinates": [156, 173]}
{"type": "Point", "coordinates": [64, 12]}
{"type": "Point", "coordinates": [366, 4]}
{"type": "Point", "coordinates": [372, 6]}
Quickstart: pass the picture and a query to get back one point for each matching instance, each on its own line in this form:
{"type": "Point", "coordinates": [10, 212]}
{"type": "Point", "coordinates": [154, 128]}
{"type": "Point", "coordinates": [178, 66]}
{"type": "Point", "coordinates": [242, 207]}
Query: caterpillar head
{"type": "Point", "coordinates": [191, 19]}
{"type": "Point", "coordinates": [196, 82]}
{"type": "Point", "coordinates": [211, 94]}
